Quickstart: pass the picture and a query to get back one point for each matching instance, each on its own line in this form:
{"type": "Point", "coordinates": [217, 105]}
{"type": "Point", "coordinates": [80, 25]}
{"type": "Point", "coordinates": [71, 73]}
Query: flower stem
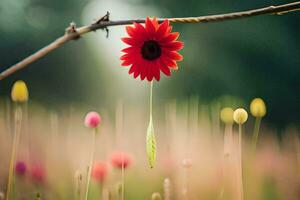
{"type": "Point", "coordinates": [16, 139]}
{"type": "Point", "coordinates": [255, 132]}
{"type": "Point", "coordinates": [185, 184]}
{"type": "Point", "coordinates": [240, 164]}
{"type": "Point", "coordinates": [123, 181]}
{"type": "Point", "coordinates": [151, 96]}
{"type": "Point", "coordinates": [227, 140]}
{"type": "Point", "coordinates": [78, 183]}
{"type": "Point", "coordinates": [91, 164]}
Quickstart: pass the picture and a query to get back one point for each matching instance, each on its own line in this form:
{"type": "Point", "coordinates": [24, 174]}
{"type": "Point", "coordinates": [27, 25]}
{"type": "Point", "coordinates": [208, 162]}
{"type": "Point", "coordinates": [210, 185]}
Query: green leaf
{"type": "Point", "coordinates": [151, 144]}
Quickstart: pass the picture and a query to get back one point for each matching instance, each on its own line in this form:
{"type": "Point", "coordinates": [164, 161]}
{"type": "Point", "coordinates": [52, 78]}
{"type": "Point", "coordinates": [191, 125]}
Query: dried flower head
{"type": "Point", "coordinates": [121, 159]}
{"type": "Point", "coordinates": [258, 107]}
{"type": "Point", "coordinates": [240, 116]}
{"type": "Point", "coordinates": [19, 92]}
{"type": "Point", "coordinates": [156, 196]}
{"type": "Point", "coordinates": [226, 115]}
{"type": "Point", "coordinates": [153, 48]}
{"type": "Point", "coordinates": [100, 171]}
{"type": "Point", "coordinates": [20, 168]}
{"type": "Point", "coordinates": [187, 163]}
{"type": "Point", "coordinates": [92, 119]}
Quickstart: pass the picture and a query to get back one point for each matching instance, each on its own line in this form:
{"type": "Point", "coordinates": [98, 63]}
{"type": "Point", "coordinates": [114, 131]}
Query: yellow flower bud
{"type": "Point", "coordinates": [19, 92]}
{"type": "Point", "coordinates": [226, 115]}
{"type": "Point", "coordinates": [258, 107]}
{"type": "Point", "coordinates": [156, 196]}
{"type": "Point", "coordinates": [240, 115]}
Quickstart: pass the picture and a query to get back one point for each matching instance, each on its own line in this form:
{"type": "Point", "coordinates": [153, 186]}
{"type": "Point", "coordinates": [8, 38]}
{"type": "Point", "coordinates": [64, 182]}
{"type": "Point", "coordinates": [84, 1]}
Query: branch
{"type": "Point", "coordinates": [73, 33]}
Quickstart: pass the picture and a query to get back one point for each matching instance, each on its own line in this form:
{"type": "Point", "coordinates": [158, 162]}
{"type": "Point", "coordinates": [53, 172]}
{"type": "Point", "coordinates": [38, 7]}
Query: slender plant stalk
{"type": "Point", "coordinates": [221, 195]}
{"type": "Point", "coordinates": [103, 192]}
{"type": "Point", "coordinates": [123, 179]}
{"type": "Point", "coordinates": [151, 96]}
{"type": "Point", "coordinates": [8, 115]}
{"type": "Point", "coordinates": [78, 183]}
{"type": "Point", "coordinates": [185, 189]}
{"type": "Point", "coordinates": [255, 132]}
{"type": "Point", "coordinates": [91, 164]}
{"type": "Point", "coordinates": [240, 164]}
{"type": "Point", "coordinates": [228, 140]}
{"type": "Point", "coordinates": [150, 137]}
{"type": "Point", "coordinates": [119, 123]}
{"type": "Point", "coordinates": [16, 139]}
{"type": "Point", "coordinates": [73, 33]}
{"type": "Point", "coordinates": [227, 157]}
{"type": "Point", "coordinates": [167, 189]}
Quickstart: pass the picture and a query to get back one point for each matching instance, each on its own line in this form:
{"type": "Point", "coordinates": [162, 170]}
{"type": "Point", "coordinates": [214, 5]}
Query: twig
{"type": "Point", "coordinates": [73, 33]}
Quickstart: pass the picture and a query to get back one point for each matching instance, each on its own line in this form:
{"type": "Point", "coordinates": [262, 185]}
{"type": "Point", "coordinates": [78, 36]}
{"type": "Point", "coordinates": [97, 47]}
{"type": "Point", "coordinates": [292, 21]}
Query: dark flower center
{"type": "Point", "coordinates": [151, 50]}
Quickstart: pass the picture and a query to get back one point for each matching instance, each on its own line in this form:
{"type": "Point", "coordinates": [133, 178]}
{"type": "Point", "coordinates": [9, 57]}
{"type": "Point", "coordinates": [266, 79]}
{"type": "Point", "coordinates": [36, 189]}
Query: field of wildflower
{"type": "Point", "coordinates": [202, 152]}
{"type": "Point", "coordinates": [170, 143]}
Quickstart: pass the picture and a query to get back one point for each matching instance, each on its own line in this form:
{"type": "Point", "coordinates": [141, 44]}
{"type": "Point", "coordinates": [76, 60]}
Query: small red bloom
{"type": "Point", "coordinates": [92, 119]}
{"type": "Point", "coordinates": [38, 173]}
{"type": "Point", "coordinates": [100, 171]}
{"type": "Point", "coordinates": [121, 159]}
{"type": "Point", "coordinates": [153, 48]}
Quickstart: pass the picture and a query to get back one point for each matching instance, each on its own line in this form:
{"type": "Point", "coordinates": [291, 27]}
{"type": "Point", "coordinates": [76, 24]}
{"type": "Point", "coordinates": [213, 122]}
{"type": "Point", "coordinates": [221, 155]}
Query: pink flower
{"type": "Point", "coordinates": [20, 168]}
{"type": "Point", "coordinates": [100, 171]}
{"type": "Point", "coordinates": [121, 159]}
{"type": "Point", "coordinates": [92, 119]}
{"type": "Point", "coordinates": [37, 173]}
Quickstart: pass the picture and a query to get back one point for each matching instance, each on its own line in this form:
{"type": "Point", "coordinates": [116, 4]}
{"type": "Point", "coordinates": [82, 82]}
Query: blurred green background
{"type": "Point", "coordinates": [247, 58]}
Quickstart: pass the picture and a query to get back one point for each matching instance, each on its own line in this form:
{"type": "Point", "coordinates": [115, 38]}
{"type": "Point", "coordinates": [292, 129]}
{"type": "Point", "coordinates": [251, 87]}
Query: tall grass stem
{"type": "Point", "coordinates": [256, 132]}
{"type": "Point", "coordinates": [16, 139]}
{"type": "Point", "coordinates": [240, 164]}
{"type": "Point", "coordinates": [91, 164]}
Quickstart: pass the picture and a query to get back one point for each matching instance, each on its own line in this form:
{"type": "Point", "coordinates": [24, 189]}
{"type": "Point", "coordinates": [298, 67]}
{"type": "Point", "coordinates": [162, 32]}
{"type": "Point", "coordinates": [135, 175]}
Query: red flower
{"type": "Point", "coordinates": [153, 48]}
{"type": "Point", "coordinates": [38, 173]}
{"type": "Point", "coordinates": [121, 159]}
{"type": "Point", "coordinates": [100, 171]}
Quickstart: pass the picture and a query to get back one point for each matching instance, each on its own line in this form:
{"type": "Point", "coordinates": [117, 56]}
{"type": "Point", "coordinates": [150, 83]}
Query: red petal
{"type": "Point", "coordinates": [169, 29]}
{"type": "Point", "coordinates": [136, 73]}
{"type": "Point", "coordinates": [155, 23]}
{"type": "Point", "coordinates": [131, 50]}
{"type": "Point", "coordinates": [157, 76]}
{"type": "Point", "coordinates": [156, 71]}
{"type": "Point", "coordinates": [174, 46]}
{"type": "Point", "coordinates": [164, 69]}
{"type": "Point", "coordinates": [169, 62]}
{"type": "Point", "coordinates": [124, 57]}
{"type": "Point", "coordinates": [142, 69]}
{"type": "Point", "coordinates": [150, 28]}
{"type": "Point", "coordinates": [173, 55]}
{"type": "Point", "coordinates": [162, 29]}
{"type": "Point", "coordinates": [140, 30]}
{"type": "Point", "coordinates": [126, 63]}
{"type": "Point", "coordinates": [131, 41]}
{"type": "Point", "coordinates": [170, 37]}
{"type": "Point", "coordinates": [149, 72]}
{"type": "Point", "coordinates": [132, 69]}
{"type": "Point", "coordinates": [143, 73]}
{"type": "Point", "coordinates": [130, 30]}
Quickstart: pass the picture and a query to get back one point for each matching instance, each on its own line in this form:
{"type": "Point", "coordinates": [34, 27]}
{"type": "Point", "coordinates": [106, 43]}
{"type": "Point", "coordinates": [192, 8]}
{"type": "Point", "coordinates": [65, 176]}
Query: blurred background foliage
{"type": "Point", "coordinates": [247, 58]}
